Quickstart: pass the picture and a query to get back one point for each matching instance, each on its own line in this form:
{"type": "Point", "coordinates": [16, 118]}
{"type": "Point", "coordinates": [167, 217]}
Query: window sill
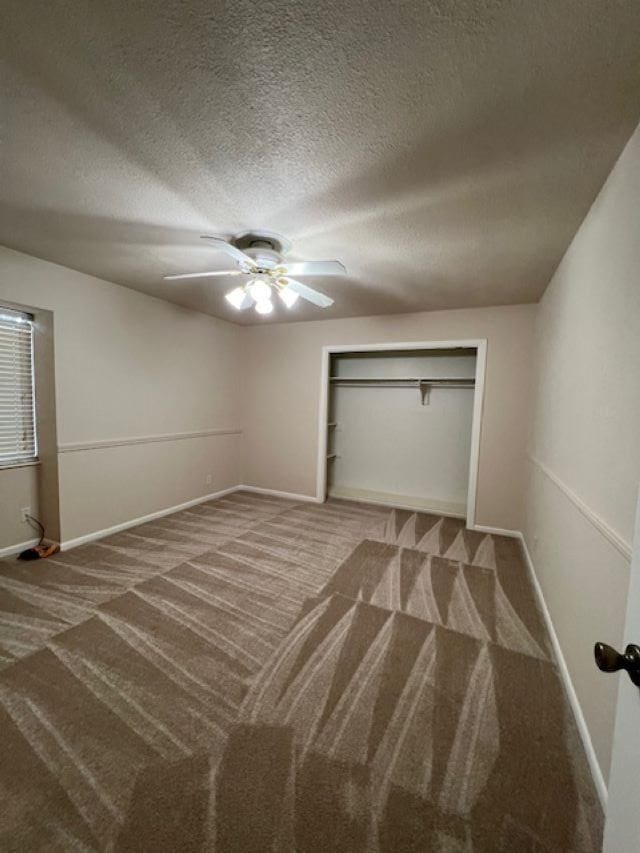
{"type": "Point", "coordinates": [7, 466]}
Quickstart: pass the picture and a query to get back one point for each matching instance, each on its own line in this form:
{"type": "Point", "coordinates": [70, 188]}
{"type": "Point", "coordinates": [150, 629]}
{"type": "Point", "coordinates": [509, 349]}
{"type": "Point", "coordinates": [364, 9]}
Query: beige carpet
{"type": "Point", "coordinates": [255, 674]}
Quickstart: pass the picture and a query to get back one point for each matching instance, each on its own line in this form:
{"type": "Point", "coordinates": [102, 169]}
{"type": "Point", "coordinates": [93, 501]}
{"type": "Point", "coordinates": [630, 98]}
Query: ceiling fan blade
{"type": "Point", "coordinates": [309, 293]}
{"type": "Point", "coordinates": [235, 253]}
{"type": "Point", "coordinates": [316, 268]}
{"type": "Point", "coordinates": [202, 274]}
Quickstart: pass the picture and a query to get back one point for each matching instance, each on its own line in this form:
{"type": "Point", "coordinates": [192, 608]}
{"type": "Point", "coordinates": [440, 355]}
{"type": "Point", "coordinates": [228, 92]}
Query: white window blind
{"type": "Point", "coordinates": [17, 404]}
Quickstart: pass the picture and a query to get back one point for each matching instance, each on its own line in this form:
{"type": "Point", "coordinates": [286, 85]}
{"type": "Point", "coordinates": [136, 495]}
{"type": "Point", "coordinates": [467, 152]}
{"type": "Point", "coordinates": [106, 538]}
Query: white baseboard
{"type": "Point", "coordinates": [572, 696]}
{"type": "Point", "coordinates": [292, 496]}
{"type": "Point", "coordinates": [16, 549]}
{"type": "Point", "coordinates": [497, 531]}
{"type": "Point", "coordinates": [134, 522]}
{"type": "Point", "coordinates": [142, 519]}
{"type": "Point", "coordinates": [393, 501]}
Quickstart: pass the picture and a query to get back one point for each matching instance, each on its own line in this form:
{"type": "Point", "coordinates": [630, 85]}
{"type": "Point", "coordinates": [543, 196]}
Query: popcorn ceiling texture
{"type": "Point", "coordinates": [445, 152]}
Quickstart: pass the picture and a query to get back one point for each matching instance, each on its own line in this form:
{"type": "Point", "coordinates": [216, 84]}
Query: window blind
{"type": "Point", "coordinates": [18, 442]}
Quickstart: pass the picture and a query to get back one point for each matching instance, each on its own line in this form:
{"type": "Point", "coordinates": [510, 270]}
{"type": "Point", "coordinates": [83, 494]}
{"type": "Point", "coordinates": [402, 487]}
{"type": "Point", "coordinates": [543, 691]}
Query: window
{"type": "Point", "coordinates": [18, 444]}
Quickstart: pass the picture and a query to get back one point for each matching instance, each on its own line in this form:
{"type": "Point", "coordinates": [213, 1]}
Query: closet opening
{"type": "Point", "coordinates": [400, 425]}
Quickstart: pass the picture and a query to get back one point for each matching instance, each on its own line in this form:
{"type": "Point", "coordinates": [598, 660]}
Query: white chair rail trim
{"type": "Point", "coordinates": [75, 446]}
{"type": "Point", "coordinates": [612, 536]}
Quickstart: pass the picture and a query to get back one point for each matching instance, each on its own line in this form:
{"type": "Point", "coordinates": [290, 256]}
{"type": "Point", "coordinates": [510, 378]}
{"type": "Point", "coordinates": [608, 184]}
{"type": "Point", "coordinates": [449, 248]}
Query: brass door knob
{"type": "Point", "coordinates": [610, 660]}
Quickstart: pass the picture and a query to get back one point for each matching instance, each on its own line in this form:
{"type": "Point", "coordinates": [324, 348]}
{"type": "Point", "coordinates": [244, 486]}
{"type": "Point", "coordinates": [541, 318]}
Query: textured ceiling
{"type": "Point", "coordinates": [446, 152]}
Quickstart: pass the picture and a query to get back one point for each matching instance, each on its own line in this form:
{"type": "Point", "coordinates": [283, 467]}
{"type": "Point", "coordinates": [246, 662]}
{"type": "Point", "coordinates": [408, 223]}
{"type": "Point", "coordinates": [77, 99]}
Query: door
{"type": "Point", "coordinates": [622, 826]}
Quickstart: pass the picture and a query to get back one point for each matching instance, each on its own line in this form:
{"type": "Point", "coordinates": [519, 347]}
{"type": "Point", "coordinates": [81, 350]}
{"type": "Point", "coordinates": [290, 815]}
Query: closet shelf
{"type": "Point", "coordinates": [424, 384]}
{"type": "Point", "coordinates": [401, 380]}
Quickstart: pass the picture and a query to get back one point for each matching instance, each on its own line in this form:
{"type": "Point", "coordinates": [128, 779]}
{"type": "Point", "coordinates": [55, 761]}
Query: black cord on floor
{"type": "Point", "coordinates": [31, 521]}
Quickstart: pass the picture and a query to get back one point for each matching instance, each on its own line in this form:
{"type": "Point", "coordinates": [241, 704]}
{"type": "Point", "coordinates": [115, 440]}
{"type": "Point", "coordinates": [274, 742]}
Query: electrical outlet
{"type": "Point", "coordinates": [208, 479]}
{"type": "Point", "coordinates": [24, 512]}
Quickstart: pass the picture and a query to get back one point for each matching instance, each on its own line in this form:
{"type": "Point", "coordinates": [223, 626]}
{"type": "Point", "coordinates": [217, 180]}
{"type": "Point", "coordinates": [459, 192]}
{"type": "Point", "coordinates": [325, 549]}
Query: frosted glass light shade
{"type": "Point", "coordinates": [236, 297]}
{"type": "Point", "coordinates": [264, 306]}
{"type": "Point", "coordinates": [288, 296]}
{"type": "Point", "coordinates": [259, 290]}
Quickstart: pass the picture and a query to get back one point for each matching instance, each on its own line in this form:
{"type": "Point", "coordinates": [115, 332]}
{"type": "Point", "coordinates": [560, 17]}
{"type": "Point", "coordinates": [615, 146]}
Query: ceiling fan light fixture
{"type": "Point", "coordinates": [259, 256]}
{"type": "Point", "coordinates": [236, 297]}
{"type": "Point", "coordinates": [259, 291]}
{"type": "Point", "coordinates": [288, 296]}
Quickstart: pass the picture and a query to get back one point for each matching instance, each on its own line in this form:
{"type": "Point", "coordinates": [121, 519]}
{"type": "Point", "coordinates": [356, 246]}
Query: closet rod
{"type": "Point", "coordinates": [424, 385]}
{"type": "Point", "coordinates": [403, 383]}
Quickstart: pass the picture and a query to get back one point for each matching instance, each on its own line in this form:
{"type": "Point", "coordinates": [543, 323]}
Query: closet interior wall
{"type": "Point", "coordinates": [401, 444]}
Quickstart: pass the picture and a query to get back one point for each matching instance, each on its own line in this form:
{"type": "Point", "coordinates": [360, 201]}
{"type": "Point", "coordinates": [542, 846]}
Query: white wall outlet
{"type": "Point", "coordinates": [24, 512]}
{"type": "Point", "coordinates": [208, 479]}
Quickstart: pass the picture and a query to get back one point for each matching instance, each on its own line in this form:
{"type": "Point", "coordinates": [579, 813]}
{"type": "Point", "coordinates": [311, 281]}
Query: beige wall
{"type": "Point", "coordinates": [128, 366]}
{"type": "Point", "coordinates": [18, 489]}
{"type": "Point", "coordinates": [281, 391]}
{"type": "Point", "coordinates": [584, 468]}
{"type": "Point", "coordinates": [131, 366]}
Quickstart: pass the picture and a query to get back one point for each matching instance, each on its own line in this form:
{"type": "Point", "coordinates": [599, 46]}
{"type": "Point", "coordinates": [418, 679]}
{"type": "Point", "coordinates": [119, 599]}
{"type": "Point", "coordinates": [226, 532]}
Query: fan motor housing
{"type": "Point", "coordinates": [265, 259]}
{"type": "Point", "coordinates": [273, 243]}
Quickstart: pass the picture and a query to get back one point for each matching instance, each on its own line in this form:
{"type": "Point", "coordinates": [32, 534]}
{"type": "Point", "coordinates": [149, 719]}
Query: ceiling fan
{"type": "Point", "coordinates": [259, 255]}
